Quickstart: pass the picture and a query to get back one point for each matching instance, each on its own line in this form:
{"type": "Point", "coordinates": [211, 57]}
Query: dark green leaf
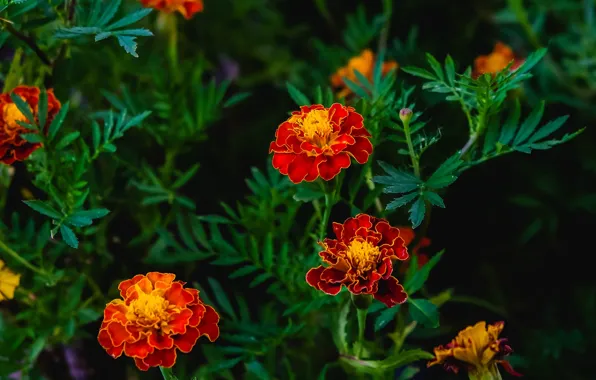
{"type": "Point", "coordinates": [417, 212]}
{"type": "Point", "coordinates": [32, 137]}
{"type": "Point", "coordinates": [418, 72]}
{"type": "Point", "coordinates": [417, 281]}
{"type": "Point", "coordinates": [23, 107]}
{"type": "Point", "coordinates": [510, 126]}
{"type": "Point", "coordinates": [529, 125]}
{"type": "Point", "coordinates": [221, 298]}
{"type": "Point", "coordinates": [129, 44]}
{"type": "Point", "coordinates": [434, 199]}
{"type": "Point", "coordinates": [241, 272]}
{"type": "Point", "coordinates": [69, 236]}
{"type": "Point", "coordinates": [130, 18]}
{"type": "Point", "coordinates": [44, 208]}
{"type": "Point", "coordinates": [548, 129]}
{"type": "Point", "coordinates": [297, 96]}
{"type": "Point", "coordinates": [186, 176]}
{"type": "Point", "coordinates": [424, 312]}
{"type": "Point", "coordinates": [79, 221]}
{"type": "Point", "coordinates": [450, 70]}
{"type": "Point", "coordinates": [67, 140]}
{"type": "Point", "coordinates": [306, 192]}
{"type": "Point", "coordinates": [356, 88]}
{"type": "Point", "coordinates": [42, 105]}
{"type": "Point", "coordinates": [386, 316]}
{"type": "Point", "coordinates": [235, 99]}
{"type": "Point", "coordinates": [214, 219]}
{"type": "Point", "coordinates": [257, 369]}
{"type": "Point", "coordinates": [401, 201]}
{"type": "Point", "coordinates": [436, 66]}
{"type": "Point", "coordinates": [58, 121]}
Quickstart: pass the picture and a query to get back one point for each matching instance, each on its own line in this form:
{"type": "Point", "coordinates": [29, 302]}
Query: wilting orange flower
{"type": "Point", "coordinates": [318, 142]}
{"type": "Point", "coordinates": [364, 64]}
{"type": "Point", "coordinates": [361, 260]}
{"type": "Point", "coordinates": [407, 233]}
{"type": "Point", "coordinates": [496, 61]}
{"type": "Point", "coordinates": [478, 349]}
{"type": "Point", "coordinates": [12, 146]}
{"type": "Point", "coordinates": [155, 316]}
{"type": "Point", "coordinates": [187, 8]}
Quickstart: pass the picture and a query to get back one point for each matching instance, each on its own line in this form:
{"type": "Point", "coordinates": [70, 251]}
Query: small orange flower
{"type": "Point", "coordinates": [496, 61]}
{"type": "Point", "coordinates": [155, 316]}
{"type": "Point", "coordinates": [364, 64]}
{"type": "Point", "coordinates": [407, 233]}
{"type": "Point", "coordinates": [187, 8]}
{"type": "Point", "coordinates": [318, 142]}
{"type": "Point", "coordinates": [361, 260]}
{"type": "Point", "coordinates": [478, 349]}
{"type": "Point", "coordinates": [12, 146]}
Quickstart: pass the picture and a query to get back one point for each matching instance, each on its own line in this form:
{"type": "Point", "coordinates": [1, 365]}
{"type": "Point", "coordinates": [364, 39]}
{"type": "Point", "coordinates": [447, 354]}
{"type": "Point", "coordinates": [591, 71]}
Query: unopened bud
{"type": "Point", "coordinates": [405, 114]}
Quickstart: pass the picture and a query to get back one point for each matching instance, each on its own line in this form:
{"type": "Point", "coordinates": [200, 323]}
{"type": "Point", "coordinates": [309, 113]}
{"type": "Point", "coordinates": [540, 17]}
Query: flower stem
{"type": "Point", "coordinates": [361, 313]}
{"type": "Point", "coordinates": [21, 260]}
{"type": "Point", "coordinates": [167, 373]}
{"type": "Point", "coordinates": [413, 156]}
{"type": "Point", "coordinates": [326, 215]}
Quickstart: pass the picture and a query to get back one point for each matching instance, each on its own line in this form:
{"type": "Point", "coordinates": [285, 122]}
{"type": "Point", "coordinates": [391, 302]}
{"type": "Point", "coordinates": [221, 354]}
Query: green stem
{"type": "Point", "coordinates": [167, 373]}
{"type": "Point", "coordinates": [387, 12]}
{"type": "Point", "coordinates": [413, 156]}
{"type": "Point", "coordinates": [21, 260]}
{"type": "Point", "coordinates": [361, 313]}
{"type": "Point", "coordinates": [326, 215]}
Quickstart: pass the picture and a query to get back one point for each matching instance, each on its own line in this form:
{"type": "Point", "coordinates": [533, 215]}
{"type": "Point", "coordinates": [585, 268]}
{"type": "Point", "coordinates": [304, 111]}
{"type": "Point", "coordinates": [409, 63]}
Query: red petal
{"type": "Point", "coordinates": [333, 275]}
{"type": "Point", "coordinates": [300, 167]}
{"type": "Point", "coordinates": [361, 149]}
{"type": "Point", "coordinates": [139, 349]}
{"type": "Point", "coordinates": [338, 228]}
{"type": "Point", "coordinates": [116, 309]}
{"type": "Point", "coordinates": [117, 332]}
{"type": "Point", "coordinates": [390, 292]}
{"type": "Point", "coordinates": [141, 364]}
{"type": "Point", "coordinates": [163, 358]}
{"type": "Point", "coordinates": [352, 122]}
{"type": "Point", "coordinates": [284, 131]}
{"type": "Point", "coordinates": [197, 314]}
{"type": "Point", "coordinates": [186, 342]}
{"type": "Point", "coordinates": [125, 285]}
{"type": "Point", "coordinates": [331, 167]}
{"type": "Point", "coordinates": [337, 113]}
{"type": "Point", "coordinates": [178, 322]}
{"type": "Point", "coordinates": [281, 161]}
{"type": "Point", "coordinates": [208, 325]}
{"type": "Point", "coordinates": [507, 367]}
{"type": "Point", "coordinates": [313, 277]}
{"type": "Point", "coordinates": [160, 341]}
{"type": "Point", "coordinates": [177, 295]}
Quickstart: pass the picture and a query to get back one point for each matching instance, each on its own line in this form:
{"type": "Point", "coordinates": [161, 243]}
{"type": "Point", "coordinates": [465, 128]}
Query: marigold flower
{"type": "Point", "coordinates": [478, 349]}
{"type": "Point", "coordinates": [496, 61]}
{"type": "Point", "coordinates": [9, 281]}
{"type": "Point", "coordinates": [364, 64]}
{"type": "Point", "coordinates": [318, 142]}
{"type": "Point", "coordinates": [187, 8]}
{"type": "Point", "coordinates": [12, 146]}
{"type": "Point", "coordinates": [361, 260]}
{"type": "Point", "coordinates": [407, 233]}
{"type": "Point", "coordinates": [155, 316]}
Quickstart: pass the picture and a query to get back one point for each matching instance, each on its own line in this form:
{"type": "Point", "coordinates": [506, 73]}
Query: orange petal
{"type": "Point", "coordinates": [177, 295]}
{"type": "Point", "coordinates": [178, 322]}
{"type": "Point", "coordinates": [186, 342]}
{"type": "Point", "coordinates": [160, 341]}
{"type": "Point", "coordinates": [117, 332]}
{"type": "Point", "coordinates": [116, 309]}
{"type": "Point", "coordinates": [164, 279]}
{"type": "Point", "coordinates": [197, 314]}
{"type": "Point", "coordinates": [139, 349]}
{"type": "Point", "coordinates": [208, 325]}
{"type": "Point", "coordinates": [163, 358]}
{"type": "Point", "coordinates": [126, 284]}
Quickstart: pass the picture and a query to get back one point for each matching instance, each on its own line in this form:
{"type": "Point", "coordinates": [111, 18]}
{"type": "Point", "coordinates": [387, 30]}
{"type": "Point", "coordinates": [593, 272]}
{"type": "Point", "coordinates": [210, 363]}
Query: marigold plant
{"type": "Point", "coordinates": [187, 8]}
{"type": "Point", "coordinates": [9, 281]}
{"type": "Point", "coordinates": [318, 142]}
{"type": "Point", "coordinates": [501, 56]}
{"type": "Point", "coordinates": [156, 317]}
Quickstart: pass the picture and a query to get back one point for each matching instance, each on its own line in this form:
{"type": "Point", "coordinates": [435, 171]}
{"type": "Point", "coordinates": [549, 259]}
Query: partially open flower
{"type": "Point", "coordinates": [187, 8]}
{"type": "Point", "coordinates": [478, 349]}
{"type": "Point", "coordinates": [364, 64]}
{"type": "Point", "coordinates": [319, 142]}
{"type": "Point", "coordinates": [361, 260]}
{"type": "Point", "coordinates": [156, 317]}
{"type": "Point", "coordinates": [12, 146]}
{"type": "Point", "coordinates": [9, 281]}
{"type": "Point", "coordinates": [501, 56]}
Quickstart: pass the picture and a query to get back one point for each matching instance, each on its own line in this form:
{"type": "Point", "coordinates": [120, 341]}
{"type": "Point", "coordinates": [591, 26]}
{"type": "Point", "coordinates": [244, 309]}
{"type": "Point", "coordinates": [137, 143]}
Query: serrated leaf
{"type": "Point", "coordinates": [530, 124]}
{"type": "Point", "coordinates": [424, 312]}
{"type": "Point", "coordinates": [385, 317]}
{"type": "Point", "coordinates": [95, 213]}
{"type": "Point", "coordinates": [44, 208]}
{"type": "Point", "coordinates": [510, 126]}
{"type": "Point", "coordinates": [69, 236]}
{"type": "Point", "coordinates": [418, 72]}
{"type": "Point", "coordinates": [436, 66]}
{"type": "Point", "coordinates": [130, 18]}
{"type": "Point", "coordinates": [417, 212]}
{"type": "Point", "coordinates": [307, 193]}
{"type": "Point", "coordinates": [297, 96]}
{"type": "Point", "coordinates": [401, 201]}
{"type": "Point", "coordinates": [221, 298]}
{"type": "Point", "coordinates": [434, 199]}
{"type": "Point", "coordinates": [548, 129]}
{"type": "Point", "coordinates": [129, 44]}
{"type": "Point", "coordinates": [79, 221]}
{"type": "Point", "coordinates": [450, 70]}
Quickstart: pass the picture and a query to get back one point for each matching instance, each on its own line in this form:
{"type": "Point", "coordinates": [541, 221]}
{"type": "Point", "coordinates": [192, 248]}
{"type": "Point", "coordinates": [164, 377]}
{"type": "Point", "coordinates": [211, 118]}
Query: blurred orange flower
{"type": "Point", "coordinates": [156, 316]}
{"type": "Point", "coordinates": [187, 8]}
{"type": "Point", "coordinates": [12, 146]}
{"type": "Point", "coordinates": [496, 61]}
{"type": "Point", "coordinates": [407, 233]}
{"type": "Point", "coordinates": [478, 349]}
{"type": "Point", "coordinates": [319, 142]}
{"type": "Point", "coordinates": [361, 260]}
{"type": "Point", "coordinates": [364, 64]}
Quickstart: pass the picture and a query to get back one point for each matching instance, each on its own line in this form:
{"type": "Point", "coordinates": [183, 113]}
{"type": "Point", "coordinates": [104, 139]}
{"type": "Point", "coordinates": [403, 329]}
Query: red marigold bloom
{"type": "Point", "coordinates": [478, 349]}
{"type": "Point", "coordinates": [155, 316]}
{"type": "Point", "coordinates": [361, 260]}
{"type": "Point", "coordinates": [318, 142]}
{"type": "Point", "coordinates": [407, 233]}
{"type": "Point", "coordinates": [187, 8]}
{"type": "Point", "coordinates": [12, 146]}
{"type": "Point", "coordinates": [496, 61]}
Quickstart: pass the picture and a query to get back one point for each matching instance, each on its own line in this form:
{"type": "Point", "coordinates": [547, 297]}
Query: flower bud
{"type": "Point", "coordinates": [405, 114]}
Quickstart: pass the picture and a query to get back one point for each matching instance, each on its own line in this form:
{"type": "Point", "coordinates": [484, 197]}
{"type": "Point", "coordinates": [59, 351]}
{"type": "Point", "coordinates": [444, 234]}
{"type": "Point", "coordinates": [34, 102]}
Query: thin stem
{"type": "Point", "coordinates": [29, 42]}
{"type": "Point", "coordinates": [361, 313]}
{"type": "Point", "coordinates": [326, 215]}
{"type": "Point", "coordinates": [479, 131]}
{"type": "Point", "coordinates": [413, 156]}
{"type": "Point", "coordinates": [167, 373]}
{"type": "Point", "coordinates": [387, 12]}
{"type": "Point", "coordinates": [21, 260]}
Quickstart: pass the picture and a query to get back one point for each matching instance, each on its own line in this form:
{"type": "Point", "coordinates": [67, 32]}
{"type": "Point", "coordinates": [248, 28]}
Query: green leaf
{"type": "Point", "coordinates": [241, 272]}
{"type": "Point", "coordinates": [306, 192]}
{"type": "Point", "coordinates": [23, 107]}
{"type": "Point", "coordinates": [58, 121]}
{"type": "Point", "coordinates": [385, 317]}
{"type": "Point", "coordinates": [42, 105]}
{"type": "Point", "coordinates": [417, 281]}
{"type": "Point", "coordinates": [69, 236]}
{"type": "Point", "coordinates": [340, 332]}
{"type": "Point", "coordinates": [444, 175]}
{"type": "Point", "coordinates": [548, 129]}
{"type": "Point", "coordinates": [67, 140]}
{"type": "Point", "coordinates": [130, 18]}
{"type": "Point", "coordinates": [95, 213]}
{"type": "Point", "coordinates": [44, 208]}
{"type": "Point", "coordinates": [73, 295]}
{"type": "Point", "coordinates": [434, 199]}
{"type": "Point", "coordinates": [34, 138]}
{"type": "Point", "coordinates": [531, 61]}
{"type": "Point", "coordinates": [417, 212]}
{"type": "Point", "coordinates": [235, 99]}
{"type": "Point", "coordinates": [418, 72]}
{"type": "Point", "coordinates": [401, 201]}
{"type": "Point", "coordinates": [87, 315]}
{"type": "Point", "coordinates": [216, 219]}
{"type": "Point", "coordinates": [221, 298]}
{"type": "Point", "coordinates": [257, 369]}
{"type": "Point", "coordinates": [259, 279]}
{"type": "Point", "coordinates": [424, 312]}
{"type": "Point", "coordinates": [268, 252]}
{"type": "Point", "coordinates": [529, 125]}
{"type": "Point", "coordinates": [129, 44]}
{"type": "Point", "coordinates": [79, 221]}
{"type": "Point", "coordinates": [356, 88]}
{"type": "Point", "coordinates": [510, 126]}
{"type": "Point", "coordinates": [297, 96]}
{"type": "Point", "coordinates": [450, 70]}
{"type": "Point", "coordinates": [186, 176]}
{"type": "Point", "coordinates": [436, 66]}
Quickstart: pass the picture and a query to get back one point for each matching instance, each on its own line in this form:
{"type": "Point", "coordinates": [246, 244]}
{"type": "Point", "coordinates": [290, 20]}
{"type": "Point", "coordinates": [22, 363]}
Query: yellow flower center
{"type": "Point", "coordinates": [363, 255]}
{"type": "Point", "coordinates": [316, 125]}
{"type": "Point", "coordinates": [149, 310]}
{"type": "Point", "coordinates": [11, 115]}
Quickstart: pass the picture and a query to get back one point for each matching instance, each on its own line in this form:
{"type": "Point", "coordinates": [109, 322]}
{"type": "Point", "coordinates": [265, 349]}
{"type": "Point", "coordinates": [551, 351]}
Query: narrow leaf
{"type": "Point", "coordinates": [44, 208]}
{"type": "Point", "coordinates": [69, 236]}
{"type": "Point", "coordinates": [297, 96]}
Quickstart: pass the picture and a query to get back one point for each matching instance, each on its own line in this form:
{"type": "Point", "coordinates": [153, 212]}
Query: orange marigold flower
{"type": "Point", "coordinates": [155, 316]}
{"type": "Point", "coordinates": [478, 349]}
{"type": "Point", "coordinates": [361, 260]}
{"type": "Point", "coordinates": [318, 142]}
{"type": "Point", "coordinates": [12, 146]}
{"type": "Point", "coordinates": [407, 233]}
{"type": "Point", "coordinates": [364, 64]}
{"type": "Point", "coordinates": [496, 61]}
{"type": "Point", "coordinates": [187, 8]}
{"type": "Point", "coordinates": [9, 281]}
